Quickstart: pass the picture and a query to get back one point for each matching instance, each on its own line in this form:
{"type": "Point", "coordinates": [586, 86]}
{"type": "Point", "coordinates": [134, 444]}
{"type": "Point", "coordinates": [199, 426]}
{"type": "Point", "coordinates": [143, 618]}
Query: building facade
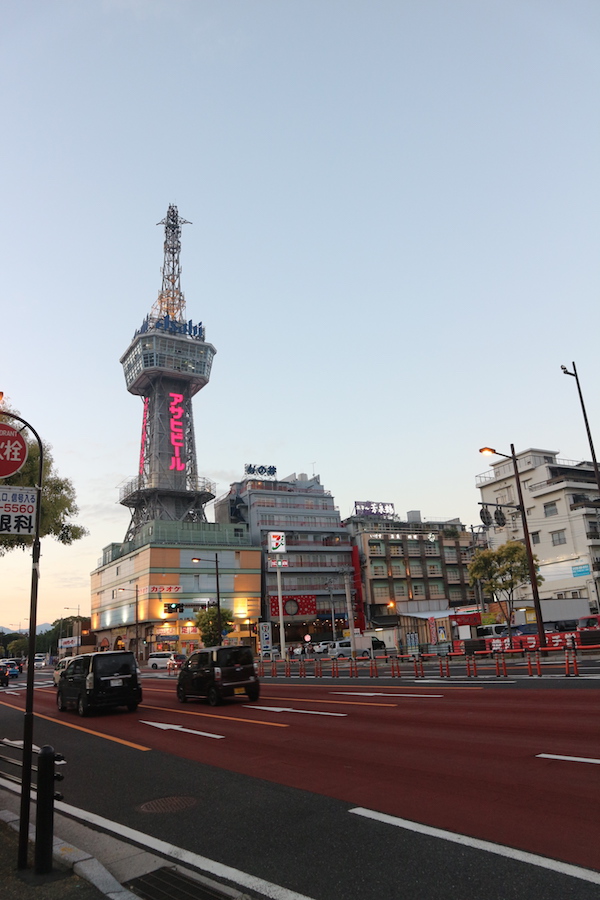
{"type": "Point", "coordinates": [318, 562]}
{"type": "Point", "coordinates": [171, 563]}
{"type": "Point", "coordinates": [562, 504]}
{"type": "Point", "coordinates": [410, 567]}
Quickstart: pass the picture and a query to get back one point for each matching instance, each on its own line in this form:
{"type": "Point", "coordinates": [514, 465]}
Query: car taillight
{"type": "Point", "coordinates": [89, 681]}
{"type": "Point", "coordinates": [217, 672]}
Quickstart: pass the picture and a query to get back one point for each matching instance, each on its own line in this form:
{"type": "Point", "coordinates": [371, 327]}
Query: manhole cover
{"type": "Point", "coordinates": [167, 805]}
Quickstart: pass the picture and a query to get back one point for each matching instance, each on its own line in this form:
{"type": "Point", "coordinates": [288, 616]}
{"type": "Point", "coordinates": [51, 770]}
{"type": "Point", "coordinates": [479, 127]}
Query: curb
{"type": "Point", "coordinates": [83, 864]}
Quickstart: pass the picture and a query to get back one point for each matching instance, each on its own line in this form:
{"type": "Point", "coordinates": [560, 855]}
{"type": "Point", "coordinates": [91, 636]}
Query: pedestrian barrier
{"type": "Point", "coordinates": [373, 673]}
{"type": "Point", "coordinates": [471, 666]}
{"type": "Point", "coordinates": [335, 668]}
{"type": "Point", "coordinates": [571, 657]}
{"type": "Point", "coordinates": [418, 667]}
{"type": "Point", "coordinates": [396, 673]}
{"type": "Point", "coordinates": [353, 668]}
{"type": "Point", "coordinates": [444, 665]}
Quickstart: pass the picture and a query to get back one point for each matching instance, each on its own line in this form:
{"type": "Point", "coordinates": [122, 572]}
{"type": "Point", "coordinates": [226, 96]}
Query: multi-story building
{"type": "Point", "coordinates": [318, 558]}
{"type": "Point", "coordinates": [562, 504]}
{"type": "Point", "coordinates": [171, 553]}
{"type": "Point", "coordinates": [174, 563]}
{"type": "Point", "coordinates": [410, 567]}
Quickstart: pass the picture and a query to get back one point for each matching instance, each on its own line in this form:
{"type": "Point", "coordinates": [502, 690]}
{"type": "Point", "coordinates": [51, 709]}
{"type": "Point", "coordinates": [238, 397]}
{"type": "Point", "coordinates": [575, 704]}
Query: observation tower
{"type": "Point", "coordinates": [167, 362]}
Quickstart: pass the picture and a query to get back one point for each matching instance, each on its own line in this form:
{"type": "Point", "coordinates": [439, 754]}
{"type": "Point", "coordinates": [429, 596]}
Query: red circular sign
{"type": "Point", "coordinates": [13, 450]}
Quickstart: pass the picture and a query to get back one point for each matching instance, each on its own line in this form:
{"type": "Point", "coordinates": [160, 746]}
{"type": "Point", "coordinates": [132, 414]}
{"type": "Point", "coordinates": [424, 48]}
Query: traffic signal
{"type": "Point", "coordinates": [173, 608]}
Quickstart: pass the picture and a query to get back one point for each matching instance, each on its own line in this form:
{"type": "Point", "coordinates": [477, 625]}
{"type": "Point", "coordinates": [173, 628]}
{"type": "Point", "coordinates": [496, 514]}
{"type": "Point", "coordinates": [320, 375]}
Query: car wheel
{"type": "Point", "coordinates": [213, 697]}
{"type": "Point", "coordinates": [253, 693]}
{"type": "Point", "coordinates": [154, 666]}
{"type": "Point", "coordinates": [60, 701]}
{"type": "Point", "coordinates": [82, 707]}
{"type": "Point", "coordinates": [181, 694]}
{"type": "Point", "coordinates": [132, 707]}
{"type": "Point", "coordinates": [365, 654]}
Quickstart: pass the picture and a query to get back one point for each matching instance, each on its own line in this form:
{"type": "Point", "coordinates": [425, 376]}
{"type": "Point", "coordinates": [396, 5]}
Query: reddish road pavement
{"type": "Point", "coordinates": [463, 759]}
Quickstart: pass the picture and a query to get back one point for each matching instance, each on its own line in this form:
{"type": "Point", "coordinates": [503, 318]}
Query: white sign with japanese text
{"type": "Point", "coordinates": [17, 510]}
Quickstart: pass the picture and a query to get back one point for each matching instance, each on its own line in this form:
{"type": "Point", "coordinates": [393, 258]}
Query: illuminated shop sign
{"type": "Point", "coordinates": [144, 435]}
{"type": "Point", "coordinates": [369, 508]}
{"type": "Point", "coordinates": [176, 424]}
{"type": "Point", "coordinates": [170, 326]}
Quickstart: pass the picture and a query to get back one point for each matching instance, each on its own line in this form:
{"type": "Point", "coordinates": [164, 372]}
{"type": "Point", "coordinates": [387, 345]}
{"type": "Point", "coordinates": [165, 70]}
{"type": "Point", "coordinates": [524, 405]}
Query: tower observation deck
{"type": "Point", "coordinates": [167, 362]}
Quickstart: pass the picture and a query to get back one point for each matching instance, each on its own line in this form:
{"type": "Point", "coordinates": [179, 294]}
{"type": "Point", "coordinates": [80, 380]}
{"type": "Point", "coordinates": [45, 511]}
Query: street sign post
{"type": "Point", "coordinates": [17, 510]}
{"type": "Point", "coordinates": [13, 450]}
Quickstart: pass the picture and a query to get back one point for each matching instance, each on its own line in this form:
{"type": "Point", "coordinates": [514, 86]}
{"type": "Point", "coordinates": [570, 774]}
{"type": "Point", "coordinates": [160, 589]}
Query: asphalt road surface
{"type": "Point", "coordinates": [335, 789]}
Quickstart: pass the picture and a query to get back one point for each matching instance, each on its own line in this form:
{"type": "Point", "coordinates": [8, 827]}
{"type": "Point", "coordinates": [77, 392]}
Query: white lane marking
{"type": "Point", "coordinates": [382, 694]}
{"type": "Point", "coordinates": [202, 863]}
{"type": "Point", "coordinates": [585, 759]}
{"type": "Point", "coordinates": [180, 728]}
{"type": "Point", "coordinates": [307, 712]}
{"type": "Point", "coordinates": [532, 859]}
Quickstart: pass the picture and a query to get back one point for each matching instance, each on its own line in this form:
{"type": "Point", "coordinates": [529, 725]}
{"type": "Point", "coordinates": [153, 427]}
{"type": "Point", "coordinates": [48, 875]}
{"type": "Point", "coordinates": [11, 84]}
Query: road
{"type": "Point", "coordinates": [324, 786]}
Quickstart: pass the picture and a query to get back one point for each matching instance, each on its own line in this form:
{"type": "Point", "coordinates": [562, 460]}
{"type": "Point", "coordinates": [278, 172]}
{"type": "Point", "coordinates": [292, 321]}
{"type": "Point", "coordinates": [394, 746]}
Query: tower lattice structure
{"type": "Point", "coordinates": [167, 362]}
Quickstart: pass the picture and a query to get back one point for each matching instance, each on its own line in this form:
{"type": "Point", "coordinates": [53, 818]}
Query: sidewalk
{"type": "Point", "coordinates": [87, 864]}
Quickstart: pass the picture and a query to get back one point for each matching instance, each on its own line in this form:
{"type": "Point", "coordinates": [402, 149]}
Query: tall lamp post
{"type": "Point", "coordinates": [488, 451]}
{"type": "Point", "coordinates": [196, 559]}
{"type": "Point", "coordinates": [78, 624]}
{"type": "Point", "coordinates": [589, 435]}
{"type": "Point", "coordinates": [28, 717]}
{"type": "Point", "coordinates": [137, 619]}
{"type": "Point", "coordinates": [330, 586]}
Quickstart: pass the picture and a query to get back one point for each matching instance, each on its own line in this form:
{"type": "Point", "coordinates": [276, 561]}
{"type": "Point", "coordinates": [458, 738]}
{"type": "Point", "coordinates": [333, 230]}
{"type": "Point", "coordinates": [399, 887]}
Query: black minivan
{"type": "Point", "coordinates": [99, 681]}
{"type": "Point", "coordinates": [218, 672]}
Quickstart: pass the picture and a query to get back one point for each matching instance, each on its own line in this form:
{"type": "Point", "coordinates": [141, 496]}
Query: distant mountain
{"type": "Point", "coordinates": [39, 629]}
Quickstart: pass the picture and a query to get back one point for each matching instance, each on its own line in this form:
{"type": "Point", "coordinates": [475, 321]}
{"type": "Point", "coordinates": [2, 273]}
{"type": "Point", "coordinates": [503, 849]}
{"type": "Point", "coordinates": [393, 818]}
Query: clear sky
{"type": "Point", "coordinates": [396, 224]}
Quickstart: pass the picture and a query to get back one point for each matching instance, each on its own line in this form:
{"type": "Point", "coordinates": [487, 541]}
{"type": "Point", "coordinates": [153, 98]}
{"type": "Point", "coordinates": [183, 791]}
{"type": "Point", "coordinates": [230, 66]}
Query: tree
{"type": "Point", "coordinates": [502, 571]}
{"type": "Point", "coordinates": [206, 620]}
{"type": "Point", "coordinates": [18, 648]}
{"type": "Point", "coordinates": [58, 499]}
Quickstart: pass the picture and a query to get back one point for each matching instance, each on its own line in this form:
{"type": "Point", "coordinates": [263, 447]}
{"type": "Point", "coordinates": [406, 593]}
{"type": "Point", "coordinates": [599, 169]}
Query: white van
{"type": "Point", "coordinates": [159, 660]}
{"type": "Point", "coordinates": [492, 631]}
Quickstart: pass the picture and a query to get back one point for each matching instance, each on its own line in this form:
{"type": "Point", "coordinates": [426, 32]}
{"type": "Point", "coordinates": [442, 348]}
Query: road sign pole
{"type": "Point", "coordinates": [281, 623]}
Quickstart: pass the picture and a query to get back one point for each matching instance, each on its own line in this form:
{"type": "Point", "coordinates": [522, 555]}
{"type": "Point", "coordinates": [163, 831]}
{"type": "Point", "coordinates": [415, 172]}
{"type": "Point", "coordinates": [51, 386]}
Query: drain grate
{"type": "Point", "coordinates": [168, 884]}
{"type": "Point", "coordinates": [167, 804]}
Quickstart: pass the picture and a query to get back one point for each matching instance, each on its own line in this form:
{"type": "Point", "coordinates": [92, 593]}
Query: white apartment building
{"type": "Point", "coordinates": [562, 505]}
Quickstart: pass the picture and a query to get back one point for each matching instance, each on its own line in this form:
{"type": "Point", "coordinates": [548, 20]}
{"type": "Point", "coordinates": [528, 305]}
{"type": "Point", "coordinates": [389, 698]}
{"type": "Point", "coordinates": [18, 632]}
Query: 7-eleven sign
{"type": "Point", "coordinates": [276, 542]}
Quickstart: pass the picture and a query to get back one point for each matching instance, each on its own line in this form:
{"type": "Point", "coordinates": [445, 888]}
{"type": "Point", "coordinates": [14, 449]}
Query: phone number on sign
{"type": "Point", "coordinates": [17, 508]}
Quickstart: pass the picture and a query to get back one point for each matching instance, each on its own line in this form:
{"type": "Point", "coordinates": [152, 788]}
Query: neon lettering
{"type": "Point", "coordinates": [177, 439]}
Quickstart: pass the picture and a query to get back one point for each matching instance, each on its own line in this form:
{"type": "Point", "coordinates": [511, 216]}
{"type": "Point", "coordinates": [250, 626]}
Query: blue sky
{"type": "Point", "coordinates": [394, 246]}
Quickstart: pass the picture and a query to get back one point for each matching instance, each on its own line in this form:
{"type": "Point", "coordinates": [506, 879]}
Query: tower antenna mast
{"type": "Point", "coordinates": [171, 300]}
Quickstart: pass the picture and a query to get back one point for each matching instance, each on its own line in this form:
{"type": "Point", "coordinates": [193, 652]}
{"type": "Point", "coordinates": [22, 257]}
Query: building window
{"type": "Point", "coordinates": [575, 594]}
{"type": "Point", "coordinates": [550, 509]}
{"type": "Point", "coordinates": [399, 590]}
{"type": "Point", "coordinates": [558, 537]}
{"type": "Point", "coordinates": [535, 537]}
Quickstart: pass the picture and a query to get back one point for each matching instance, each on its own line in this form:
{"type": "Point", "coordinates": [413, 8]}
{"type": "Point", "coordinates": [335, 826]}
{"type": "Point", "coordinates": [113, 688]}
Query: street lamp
{"type": "Point", "coordinates": [488, 451]}
{"type": "Point", "coordinates": [587, 428]}
{"type": "Point", "coordinates": [196, 559]}
{"type": "Point", "coordinates": [78, 624]}
{"type": "Point", "coordinates": [137, 620]}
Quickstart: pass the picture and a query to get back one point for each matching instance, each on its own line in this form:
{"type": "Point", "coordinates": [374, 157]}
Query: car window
{"type": "Point", "coordinates": [234, 656]}
{"type": "Point", "coordinates": [114, 665]}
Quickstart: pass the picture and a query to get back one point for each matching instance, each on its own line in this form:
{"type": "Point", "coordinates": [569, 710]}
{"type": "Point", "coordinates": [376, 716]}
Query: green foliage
{"type": "Point", "coordinates": [206, 621]}
{"type": "Point", "coordinates": [58, 499]}
{"type": "Point", "coordinates": [18, 648]}
{"type": "Point", "coordinates": [501, 571]}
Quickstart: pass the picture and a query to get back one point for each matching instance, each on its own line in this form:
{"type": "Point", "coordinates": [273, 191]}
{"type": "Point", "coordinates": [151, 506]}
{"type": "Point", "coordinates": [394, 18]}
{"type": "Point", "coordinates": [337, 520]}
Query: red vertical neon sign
{"type": "Point", "coordinates": [176, 411]}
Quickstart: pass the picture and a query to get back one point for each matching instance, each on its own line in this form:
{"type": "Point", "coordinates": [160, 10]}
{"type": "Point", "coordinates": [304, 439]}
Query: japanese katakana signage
{"type": "Point", "coordinates": [17, 510]}
{"type": "Point", "coordinates": [13, 450]}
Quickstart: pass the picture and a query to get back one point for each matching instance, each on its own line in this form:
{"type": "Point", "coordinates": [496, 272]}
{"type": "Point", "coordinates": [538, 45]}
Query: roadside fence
{"type": "Point", "coordinates": [474, 664]}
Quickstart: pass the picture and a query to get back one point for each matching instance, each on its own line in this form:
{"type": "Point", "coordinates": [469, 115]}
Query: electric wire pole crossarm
{"type": "Point", "coordinates": [489, 451]}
